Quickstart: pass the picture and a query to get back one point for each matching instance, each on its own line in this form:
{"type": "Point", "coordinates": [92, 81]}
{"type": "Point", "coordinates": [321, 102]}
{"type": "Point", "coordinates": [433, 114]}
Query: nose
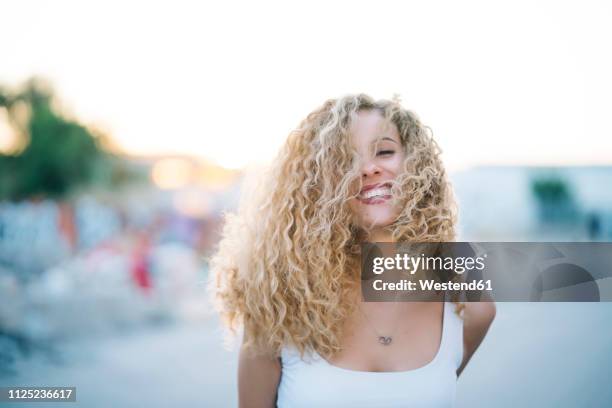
{"type": "Point", "coordinates": [370, 169]}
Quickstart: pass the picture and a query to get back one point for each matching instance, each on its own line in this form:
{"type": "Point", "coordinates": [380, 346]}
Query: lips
{"type": "Point", "coordinates": [373, 186]}
{"type": "Point", "coordinates": [375, 193]}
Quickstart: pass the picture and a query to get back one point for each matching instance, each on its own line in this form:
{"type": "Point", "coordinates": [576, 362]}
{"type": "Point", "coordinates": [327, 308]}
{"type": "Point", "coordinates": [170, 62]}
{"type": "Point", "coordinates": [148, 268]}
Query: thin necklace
{"type": "Point", "coordinates": [384, 340]}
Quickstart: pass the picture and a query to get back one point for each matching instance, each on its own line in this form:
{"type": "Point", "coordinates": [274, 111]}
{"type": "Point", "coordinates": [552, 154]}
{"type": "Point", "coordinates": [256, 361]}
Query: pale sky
{"type": "Point", "coordinates": [516, 82]}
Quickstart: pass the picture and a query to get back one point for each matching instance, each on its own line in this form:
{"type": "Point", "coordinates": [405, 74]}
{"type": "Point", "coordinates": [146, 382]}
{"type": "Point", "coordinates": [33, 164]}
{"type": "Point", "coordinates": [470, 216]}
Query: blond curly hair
{"type": "Point", "coordinates": [287, 262]}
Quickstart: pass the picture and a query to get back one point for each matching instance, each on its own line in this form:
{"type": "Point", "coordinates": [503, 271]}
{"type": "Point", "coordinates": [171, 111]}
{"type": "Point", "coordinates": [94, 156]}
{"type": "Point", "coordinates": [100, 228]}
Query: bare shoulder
{"type": "Point", "coordinates": [258, 379]}
{"type": "Point", "coordinates": [479, 314]}
{"type": "Point", "coordinates": [477, 318]}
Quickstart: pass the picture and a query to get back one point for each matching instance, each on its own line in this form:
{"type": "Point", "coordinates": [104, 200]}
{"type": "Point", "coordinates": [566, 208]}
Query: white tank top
{"type": "Point", "coordinates": [317, 383]}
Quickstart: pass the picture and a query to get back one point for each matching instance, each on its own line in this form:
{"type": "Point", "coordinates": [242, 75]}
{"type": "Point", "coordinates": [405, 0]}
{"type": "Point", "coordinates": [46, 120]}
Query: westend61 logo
{"type": "Point", "coordinates": [484, 271]}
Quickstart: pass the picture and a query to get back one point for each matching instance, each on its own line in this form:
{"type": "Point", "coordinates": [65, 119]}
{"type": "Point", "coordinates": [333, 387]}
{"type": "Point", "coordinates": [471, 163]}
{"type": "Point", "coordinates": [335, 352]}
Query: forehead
{"type": "Point", "coordinates": [369, 126]}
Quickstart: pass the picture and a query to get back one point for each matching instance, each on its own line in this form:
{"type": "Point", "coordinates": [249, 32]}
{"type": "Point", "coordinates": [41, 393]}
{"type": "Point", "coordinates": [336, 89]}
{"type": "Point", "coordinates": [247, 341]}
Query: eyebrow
{"type": "Point", "coordinates": [384, 138]}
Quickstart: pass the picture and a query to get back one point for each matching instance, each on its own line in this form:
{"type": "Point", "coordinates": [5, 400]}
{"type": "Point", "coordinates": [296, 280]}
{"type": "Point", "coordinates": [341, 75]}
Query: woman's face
{"type": "Point", "coordinates": [382, 155]}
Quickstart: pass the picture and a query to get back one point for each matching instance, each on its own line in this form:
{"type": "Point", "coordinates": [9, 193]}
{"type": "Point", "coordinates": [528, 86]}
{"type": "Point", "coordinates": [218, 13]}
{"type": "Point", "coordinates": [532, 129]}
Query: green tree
{"type": "Point", "coordinates": [55, 154]}
{"type": "Point", "coordinates": [555, 200]}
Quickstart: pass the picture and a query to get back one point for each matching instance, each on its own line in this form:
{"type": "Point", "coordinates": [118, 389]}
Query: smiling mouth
{"type": "Point", "coordinates": [376, 195]}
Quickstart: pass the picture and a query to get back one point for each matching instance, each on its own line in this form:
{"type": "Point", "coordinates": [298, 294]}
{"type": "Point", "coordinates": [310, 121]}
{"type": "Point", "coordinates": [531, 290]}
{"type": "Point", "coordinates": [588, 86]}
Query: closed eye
{"type": "Point", "coordinates": [386, 152]}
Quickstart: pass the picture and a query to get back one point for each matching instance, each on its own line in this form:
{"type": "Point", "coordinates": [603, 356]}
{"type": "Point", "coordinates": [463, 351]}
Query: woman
{"type": "Point", "coordinates": [287, 272]}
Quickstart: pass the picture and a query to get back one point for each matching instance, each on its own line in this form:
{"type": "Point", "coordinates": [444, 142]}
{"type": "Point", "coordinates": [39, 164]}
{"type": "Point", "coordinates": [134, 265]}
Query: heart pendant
{"type": "Point", "coordinates": [385, 341]}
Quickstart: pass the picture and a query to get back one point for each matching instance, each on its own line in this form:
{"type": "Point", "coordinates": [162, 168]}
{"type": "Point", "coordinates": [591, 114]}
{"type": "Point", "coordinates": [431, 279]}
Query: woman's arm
{"type": "Point", "coordinates": [258, 378]}
{"type": "Point", "coordinates": [478, 316]}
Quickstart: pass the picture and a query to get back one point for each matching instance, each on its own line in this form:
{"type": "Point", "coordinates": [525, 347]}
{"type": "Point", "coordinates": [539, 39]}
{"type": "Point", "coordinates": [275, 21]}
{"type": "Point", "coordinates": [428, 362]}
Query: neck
{"type": "Point", "coordinates": [380, 235]}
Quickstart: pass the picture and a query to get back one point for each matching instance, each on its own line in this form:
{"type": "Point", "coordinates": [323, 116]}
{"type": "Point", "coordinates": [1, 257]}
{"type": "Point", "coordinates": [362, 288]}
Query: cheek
{"type": "Point", "coordinates": [395, 165]}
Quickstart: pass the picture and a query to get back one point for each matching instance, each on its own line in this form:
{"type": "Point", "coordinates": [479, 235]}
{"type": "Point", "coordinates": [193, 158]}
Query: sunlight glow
{"type": "Point", "coordinates": [172, 173]}
{"type": "Point", "coordinates": [522, 82]}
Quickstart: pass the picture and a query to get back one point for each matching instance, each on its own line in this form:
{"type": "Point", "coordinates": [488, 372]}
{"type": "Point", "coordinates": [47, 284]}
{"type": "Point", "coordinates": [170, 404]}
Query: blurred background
{"type": "Point", "coordinates": [128, 129]}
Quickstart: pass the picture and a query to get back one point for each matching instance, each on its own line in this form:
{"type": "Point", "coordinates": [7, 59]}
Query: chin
{"type": "Point", "coordinates": [375, 217]}
{"type": "Point", "coordinates": [380, 218]}
{"type": "Point", "coordinates": [377, 222]}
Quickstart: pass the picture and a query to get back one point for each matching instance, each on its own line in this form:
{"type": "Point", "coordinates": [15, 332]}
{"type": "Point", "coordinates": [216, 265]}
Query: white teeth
{"type": "Point", "coordinates": [376, 192]}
